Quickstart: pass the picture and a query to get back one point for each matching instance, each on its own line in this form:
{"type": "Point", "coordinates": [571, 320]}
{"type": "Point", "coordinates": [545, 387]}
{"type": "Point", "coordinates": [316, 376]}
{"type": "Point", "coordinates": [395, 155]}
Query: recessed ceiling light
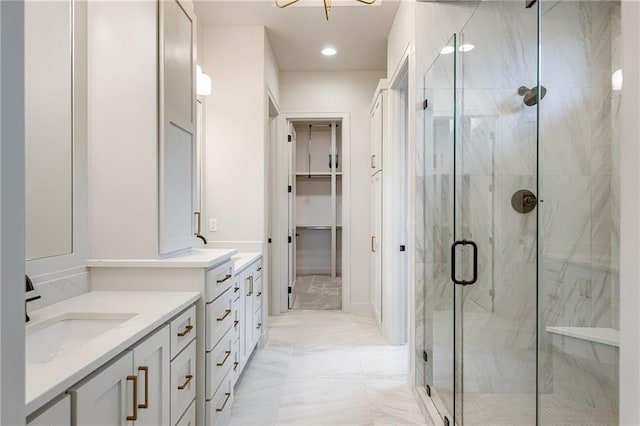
{"type": "Point", "coordinates": [329, 51]}
{"type": "Point", "coordinates": [447, 49]}
{"type": "Point", "coordinates": [466, 47]}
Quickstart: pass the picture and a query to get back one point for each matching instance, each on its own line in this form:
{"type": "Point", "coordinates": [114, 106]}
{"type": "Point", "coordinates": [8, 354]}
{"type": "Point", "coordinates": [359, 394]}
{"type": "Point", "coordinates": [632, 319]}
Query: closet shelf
{"type": "Point", "coordinates": [316, 227]}
{"type": "Point", "coordinates": [316, 174]}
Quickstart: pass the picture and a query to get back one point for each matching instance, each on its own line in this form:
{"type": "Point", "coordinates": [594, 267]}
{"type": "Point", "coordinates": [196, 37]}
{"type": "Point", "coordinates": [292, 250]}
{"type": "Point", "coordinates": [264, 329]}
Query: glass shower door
{"type": "Point", "coordinates": [435, 224]}
{"type": "Point", "coordinates": [494, 252]}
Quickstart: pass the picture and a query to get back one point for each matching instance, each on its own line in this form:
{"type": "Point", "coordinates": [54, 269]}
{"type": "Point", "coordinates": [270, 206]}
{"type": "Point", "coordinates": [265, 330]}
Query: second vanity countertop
{"type": "Point", "coordinates": [44, 381]}
{"type": "Point", "coordinates": [196, 258]}
{"type": "Point", "coordinates": [244, 259]}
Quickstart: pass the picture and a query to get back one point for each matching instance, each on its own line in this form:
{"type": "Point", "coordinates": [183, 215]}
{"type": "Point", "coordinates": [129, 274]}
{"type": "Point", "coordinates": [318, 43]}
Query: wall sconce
{"type": "Point", "coordinates": [203, 82]}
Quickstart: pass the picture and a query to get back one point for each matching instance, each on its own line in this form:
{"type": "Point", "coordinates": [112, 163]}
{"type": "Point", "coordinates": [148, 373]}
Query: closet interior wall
{"type": "Point", "coordinates": [318, 198]}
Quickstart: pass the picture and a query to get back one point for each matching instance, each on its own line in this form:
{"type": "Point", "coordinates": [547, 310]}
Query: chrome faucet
{"type": "Point", "coordinates": [31, 295]}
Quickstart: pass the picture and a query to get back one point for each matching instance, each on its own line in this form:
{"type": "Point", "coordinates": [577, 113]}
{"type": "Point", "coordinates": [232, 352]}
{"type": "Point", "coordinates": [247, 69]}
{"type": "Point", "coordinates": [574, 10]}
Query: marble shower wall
{"type": "Point", "coordinates": [579, 181]}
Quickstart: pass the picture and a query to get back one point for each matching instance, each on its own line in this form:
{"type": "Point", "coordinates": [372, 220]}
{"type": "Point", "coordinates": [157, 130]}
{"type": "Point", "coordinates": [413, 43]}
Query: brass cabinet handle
{"type": "Point", "coordinates": [186, 382]}
{"type": "Point", "coordinates": [235, 365]}
{"type": "Point", "coordinates": [236, 289]}
{"type": "Point", "coordinates": [373, 249]}
{"type": "Point", "coordinates": [235, 323]}
{"type": "Point", "coordinates": [259, 269]}
{"type": "Point", "coordinates": [259, 294]}
{"type": "Point", "coordinates": [146, 386]}
{"type": "Point", "coordinates": [250, 286]}
{"type": "Point", "coordinates": [228, 395]}
{"type": "Point", "coordinates": [186, 331]}
{"type": "Point", "coordinates": [259, 325]}
{"type": "Point", "coordinates": [373, 164]}
{"type": "Point", "coordinates": [134, 379]}
{"type": "Point", "coordinates": [226, 357]}
{"type": "Point", "coordinates": [226, 314]}
{"type": "Point", "coordinates": [224, 279]}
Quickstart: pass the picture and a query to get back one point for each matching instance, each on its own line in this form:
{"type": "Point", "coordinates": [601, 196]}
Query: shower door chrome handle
{"type": "Point", "coordinates": [475, 262]}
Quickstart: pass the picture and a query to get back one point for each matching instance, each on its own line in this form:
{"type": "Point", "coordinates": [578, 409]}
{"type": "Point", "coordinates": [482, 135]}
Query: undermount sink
{"type": "Point", "coordinates": [54, 337]}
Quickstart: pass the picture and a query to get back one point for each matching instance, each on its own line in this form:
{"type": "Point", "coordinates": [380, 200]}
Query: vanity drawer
{"type": "Point", "coordinates": [219, 407]}
{"type": "Point", "coordinates": [219, 362]}
{"type": "Point", "coordinates": [257, 293]}
{"type": "Point", "coordinates": [219, 319]}
{"type": "Point", "coordinates": [257, 269]}
{"type": "Point", "coordinates": [189, 418]}
{"type": "Point", "coordinates": [257, 325]}
{"type": "Point", "coordinates": [237, 320]}
{"type": "Point", "coordinates": [183, 381]}
{"type": "Point", "coordinates": [183, 330]}
{"type": "Point", "coordinates": [237, 368]}
{"type": "Point", "coordinates": [218, 280]}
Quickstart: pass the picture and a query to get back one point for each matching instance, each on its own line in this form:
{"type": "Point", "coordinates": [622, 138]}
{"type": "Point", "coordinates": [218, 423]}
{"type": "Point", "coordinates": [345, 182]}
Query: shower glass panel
{"type": "Point", "coordinates": [496, 237]}
{"type": "Point", "coordinates": [435, 181]}
{"type": "Point", "coordinates": [579, 219]}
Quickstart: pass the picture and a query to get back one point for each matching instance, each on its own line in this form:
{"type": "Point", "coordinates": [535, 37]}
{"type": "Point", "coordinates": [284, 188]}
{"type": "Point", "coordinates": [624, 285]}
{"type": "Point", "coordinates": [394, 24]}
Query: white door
{"type": "Point", "coordinates": [151, 361]}
{"type": "Point", "coordinates": [106, 398]}
{"type": "Point", "coordinates": [292, 213]}
{"type": "Point", "coordinates": [376, 245]}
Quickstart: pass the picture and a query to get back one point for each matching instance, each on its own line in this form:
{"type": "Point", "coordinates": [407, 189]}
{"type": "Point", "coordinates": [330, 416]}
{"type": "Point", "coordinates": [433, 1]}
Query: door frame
{"type": "Point", "coordinates": [280, 249]}
{"type": "Point", "coordinates": [396, 221]}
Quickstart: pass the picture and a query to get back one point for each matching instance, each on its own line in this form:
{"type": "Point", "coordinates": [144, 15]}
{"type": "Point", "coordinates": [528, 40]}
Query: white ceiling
{"type": "Point", "coordinates": [298, 33]}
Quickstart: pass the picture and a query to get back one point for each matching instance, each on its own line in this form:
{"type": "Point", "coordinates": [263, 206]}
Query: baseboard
{"type": "Point", "coordinates": [361, 308]}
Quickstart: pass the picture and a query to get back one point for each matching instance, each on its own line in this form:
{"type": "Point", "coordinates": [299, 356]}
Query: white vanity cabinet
{"type": "Point", "coordinates": [142, 127]}
{"type": "Point", "coordinates": [56, 414]}
{"type": "Point", "coordinates": [133, 388]}
{"type": "Point", "coordinates": [252, 295]}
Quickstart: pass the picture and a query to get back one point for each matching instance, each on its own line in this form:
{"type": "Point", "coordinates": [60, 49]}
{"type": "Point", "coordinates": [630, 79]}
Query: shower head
{"type": "Point", "coordinates": [531, 95]}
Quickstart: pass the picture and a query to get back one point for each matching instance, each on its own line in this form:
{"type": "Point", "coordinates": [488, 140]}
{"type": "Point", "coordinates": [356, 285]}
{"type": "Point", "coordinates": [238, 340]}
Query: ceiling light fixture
{"type": "Point", "coordinates": [447, 49]}
{"type": "Point", "coordinates": [329, 51]}
{"type": "Point", "coordinates": [466, 47]}
{"type": "Point", "coordinates": [327, 5]}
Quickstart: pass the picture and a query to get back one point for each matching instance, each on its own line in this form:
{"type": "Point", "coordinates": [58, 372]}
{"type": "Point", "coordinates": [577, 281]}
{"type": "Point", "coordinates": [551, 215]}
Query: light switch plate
{"type": "Point", "coordinates": [213, 225]}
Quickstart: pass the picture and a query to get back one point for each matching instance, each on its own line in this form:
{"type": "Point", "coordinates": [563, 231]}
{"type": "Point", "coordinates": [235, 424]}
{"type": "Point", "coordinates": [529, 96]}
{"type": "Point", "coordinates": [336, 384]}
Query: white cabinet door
{"type": "Point", "coordinates": [151, 364]}
{"type": "Point", "coordinates": [376, 245]}
{"type": "Point", "coordinates": [248, 314]}
{"type": "Point", "coordinates": [58, 414]}
{"type": "Point", "coordinates": [178, 135]}
{"type": "Point", "coordinates": [106, 398]}
{"type": "Point", "coordinates": [377, 131]}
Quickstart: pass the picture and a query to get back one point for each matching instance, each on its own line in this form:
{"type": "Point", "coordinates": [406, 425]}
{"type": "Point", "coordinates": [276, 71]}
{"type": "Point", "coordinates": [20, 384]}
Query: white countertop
{"type": "Point", "coordinates": [45, 381]}
{"type": "Point", "coordinates": [244, 259]}
{"type": "Point", "coordinates": [604, 335]}
{"type": "Point", "coordinates": [196, 258]}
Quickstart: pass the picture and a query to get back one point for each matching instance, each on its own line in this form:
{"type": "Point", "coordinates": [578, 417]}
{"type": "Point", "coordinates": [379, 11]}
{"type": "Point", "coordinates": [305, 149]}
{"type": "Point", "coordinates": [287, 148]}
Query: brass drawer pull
{"type": "Point", "coordinates": [250, 286]}
{"type": "Point", "coordinates": [235, 323]}
{"type": "Point", "coordinates": [226, 357]}
{"type": "Point", "coordinates": [134, 379]}
{"type": "Point", "coordinates": [259, 294]}
{"type": "Point", "coordinates": [226, 314]}
{"type": "Point", "coordinates": [259, 269]}
{"type": "Point", "coordinates": [186, 382]}
{"type": "Point", "coordinates": [228, 395]}
{"type": "Point", "coordinates": [259, 325]}
{"type": "Point", "coordinates": [235, 365]}
{"type": "Point", "coordinates": [236, 289]}
{"type": "Point", "coordinates": [146, 386]}
{"type": "Point", "coordinates": [224, 279]}
{"type": "Point", "coordinates": [186, 331]}
{"type": "Point", "coordinates": [373, 164]}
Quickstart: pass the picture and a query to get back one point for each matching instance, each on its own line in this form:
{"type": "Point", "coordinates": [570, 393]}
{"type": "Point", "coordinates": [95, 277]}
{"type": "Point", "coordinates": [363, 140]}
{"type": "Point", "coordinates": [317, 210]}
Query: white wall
{"type": "Point", "coordinates": [233, 159]}
{"type": "Point", "coordinates": [12, 217]}
{"type": "Point", "coordinates": [402, 34]}
{"type": "Point", "coordinates": [343, 92]}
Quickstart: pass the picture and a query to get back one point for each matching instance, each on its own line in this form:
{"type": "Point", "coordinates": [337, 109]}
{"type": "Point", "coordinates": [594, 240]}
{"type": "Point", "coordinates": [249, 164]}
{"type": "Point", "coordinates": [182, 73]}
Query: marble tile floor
{"type": "Point", "coordinates": [325, 368]}
{"type": "Point", "coordinates": [317, 292]}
